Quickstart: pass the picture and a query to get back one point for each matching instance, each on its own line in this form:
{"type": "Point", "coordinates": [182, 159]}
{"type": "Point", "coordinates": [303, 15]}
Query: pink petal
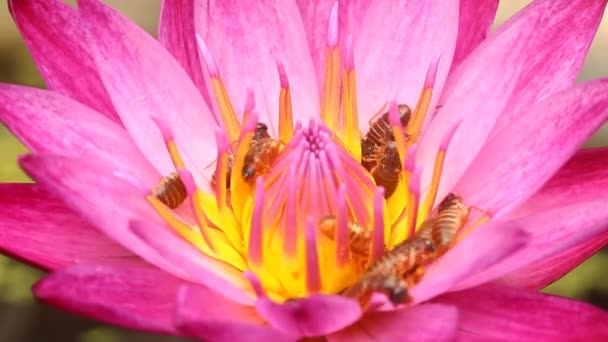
{"type": "Point", "coordinates": [538, 275]}
{"type": "Point", "coordinates": [474, 96]}
{"type": "Point", "coordinates": [550, 232]}
{"type": "Point", "coordinates": [566, 221]}
{"type": "Point", "coordinates": [475, 20]}
{"type": "Point", "coordinates": [315, 315]}
{"type": "Point", "coordinates": [138, 297]}
{"type": "Point", "coordinates": [555, 55]}
{"type": "Point", "coordinates": [199, 268]}
{"type": "Point", "coordinates": [516, 163]}
{"type": "Point", "coordinates": [583, 178]}
{"type": "Point", "coordinates": [246, 38]}
{"type": "Point", "coordinates": [315, 15]}
{"type": "Point", "coordinates": [203, 314]}
{"type": "Point", "coordinates": [395, 46]}
{"type": "Point", "coordinates": [39, 229]}
{"type": "Point", "coordinates": [100, 196]}
{"type": "Point", "coordinates": [53, 33]}
{"type": "Point", "coordinates": [144, 82]}
{"type": "Point", "coordinates": [482, 248]}
{"type": "Point", "coordinates": [176, 34]}
{"type": "Point", "coordinates": [47, 122]}
{"type": "Point", "coordinates": [501, 313]}
{"type": "Point", "coordinates": [425, 322]}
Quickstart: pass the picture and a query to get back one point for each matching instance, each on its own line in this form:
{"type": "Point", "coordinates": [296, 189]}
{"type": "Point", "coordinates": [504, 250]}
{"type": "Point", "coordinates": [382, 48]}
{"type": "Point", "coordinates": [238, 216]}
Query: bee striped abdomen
{"type": "Point", "coordinates": [171, 191]}
{"type": "Point", "coordinates": [452, 215]}
{"type": "Point", "coordinates": [388, 170]}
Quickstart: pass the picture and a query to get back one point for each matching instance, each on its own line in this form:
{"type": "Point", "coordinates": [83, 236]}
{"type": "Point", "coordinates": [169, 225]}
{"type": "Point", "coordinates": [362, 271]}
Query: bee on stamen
{"type": "Point", "coordinates": [171, 191]}
{"type": "Point", "coordinates": [259, 159]}
{"type": "Point", "coordinates": [261, 132]}
{"type": "Point", "coordinates": [379, 133]}
{"type": "Point", "coordinates": [360, 238]}
{"type": "Point", "coordinates": [452, 215]}
{"type": "Point", "coordinates": [396, 272]}
{"type": "Point", "coordinates": [387, 171]}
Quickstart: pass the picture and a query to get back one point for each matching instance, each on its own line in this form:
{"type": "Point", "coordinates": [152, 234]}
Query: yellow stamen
{"type": "Point", "coordinates": [427, 206]}
{"type": "Point", "coordinates": [350, 115]}
{"type": "Point", "coordinates": [225, 108]}
{"type": "Point", "coordinates": [222, 251]}
{"type": "Point", "coordinates": [175, 156]}
{"type": "Point", "coordinates": [414, 126]}
{"type": "Point", "coordinates": [330, 110]}
{"type": "Point", "coordinates": [285, 115]}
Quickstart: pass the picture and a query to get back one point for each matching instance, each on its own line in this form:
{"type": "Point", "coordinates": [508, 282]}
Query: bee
{"type": "Point", "coordinates": [260, 133]}
{"type": "Point", "coordinates": [379, 133]}
{"type": "Point", "coordinates": [452, 214]}
{"type": "Point", "coordinates": [171, 191]}
{"type": "Point", "coordinates": [387, 171]}
{"type": "Point", "coordinates": [260, 158]}
{"type": "Point", "coordinates": [360, 237]}
{"type": "Point", "coordinates": [396, 272]}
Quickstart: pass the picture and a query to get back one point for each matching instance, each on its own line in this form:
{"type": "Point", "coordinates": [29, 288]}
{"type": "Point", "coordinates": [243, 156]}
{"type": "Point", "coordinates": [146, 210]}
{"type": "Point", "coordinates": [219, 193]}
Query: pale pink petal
{"type": "Point", "coordinates": [473, 98]}
{"type": "Point", "coordinates": [555, 55]}
{"type": "Point", "coordinates": [493, 313]}
{"type": "Point", "coordinates": [424, 322]}
{"type": "Point", "coordinates": [538, 275]}
{"type": "Point", "coordinates": [316, 315]}
{"type": "Point", "coordinates": [55, 36]}
{"type": "Point", "coordinates": [176, 34]}
{"type": "Point", "coordinates": [485, 246]}
{"type": "Point", "coordinates": [47, 122]}
{"type": "Point", "coordinates": [145, 82]}
{"type": "Point", "coordinates": [137, 296]}
{"type": "Point", "coordinates": [516, 163]}
{"type": "Point", "coordinates": [100, 195]}
{"type": "Point", "coordinates": [224, 279]}
{"type": "Point", "coordinates": [246, 39]}
{"type": "Point", "coordinates": [395, 47]}
{"type": "Point", "coordinates": [37, 228]}
{"type": "Point", "coordinates": [475, 20]}
{"type": "Point", "coordinates": [315, 15]}
{"type": "Point", "coordinates": [201, 313]}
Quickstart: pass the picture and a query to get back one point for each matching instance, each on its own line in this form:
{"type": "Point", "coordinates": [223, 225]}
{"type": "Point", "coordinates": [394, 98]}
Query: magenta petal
{"type": "Point", "coordinates": [315, 315]}
{"type": "Point", "coordinates": [203, 314]}
{"type": "Point", "coordinates": [136, 296]}
{"type": "Point", "coordinates": [99, 195]}
{"type": "Point", "coordinates": [424, 322]}
{"type": "Point", "coordinates": [475, 20]}
{"type": "Point", "coordinates": [199, 268]}
{"type": "Point", "coordinates": [246, 39]}
{"type": "Point", "coordinates": [145, 82]}
{"type": "Point", "coordinates": [493, 313]}
{"type": "Point", "coordinates": [482, 248]}
{"type": "Point", "coordinates": [396, 45]}
{"type": "Point", "coordinates": [555, 56]}
{"type": "Point", "coordinates": [583, 178]}
{"type": "Point", "coordinates": [315, 15]}
{"type": "Point", "coordinates": [37, 228]}
{"type": "Point", "coordinates": [515, 163]}
{"type": "Point", "coordinates": [176, 34]}
{"type": "Point", "coordinates": [567, 221]}
{"type": "Point", "coordinates": [538, 275]}
{"type": "Point", "coordinates": [53, 32]}
{"type": "Point", "coordinates": [47, 122]}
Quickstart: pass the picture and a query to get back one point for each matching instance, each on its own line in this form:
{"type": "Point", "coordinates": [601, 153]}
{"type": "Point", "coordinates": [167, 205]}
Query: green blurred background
{"type": "Point", "coordinates": [23, 319]}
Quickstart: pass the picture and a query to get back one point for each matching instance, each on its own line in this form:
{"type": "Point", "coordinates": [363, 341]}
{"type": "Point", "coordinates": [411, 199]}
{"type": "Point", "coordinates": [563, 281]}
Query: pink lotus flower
{"type": "Point", "coordinates": [249, 262]}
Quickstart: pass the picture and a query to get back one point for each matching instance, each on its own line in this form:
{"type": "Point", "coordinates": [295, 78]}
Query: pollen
{"type": "Point", "coordinates": [320, 207]}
